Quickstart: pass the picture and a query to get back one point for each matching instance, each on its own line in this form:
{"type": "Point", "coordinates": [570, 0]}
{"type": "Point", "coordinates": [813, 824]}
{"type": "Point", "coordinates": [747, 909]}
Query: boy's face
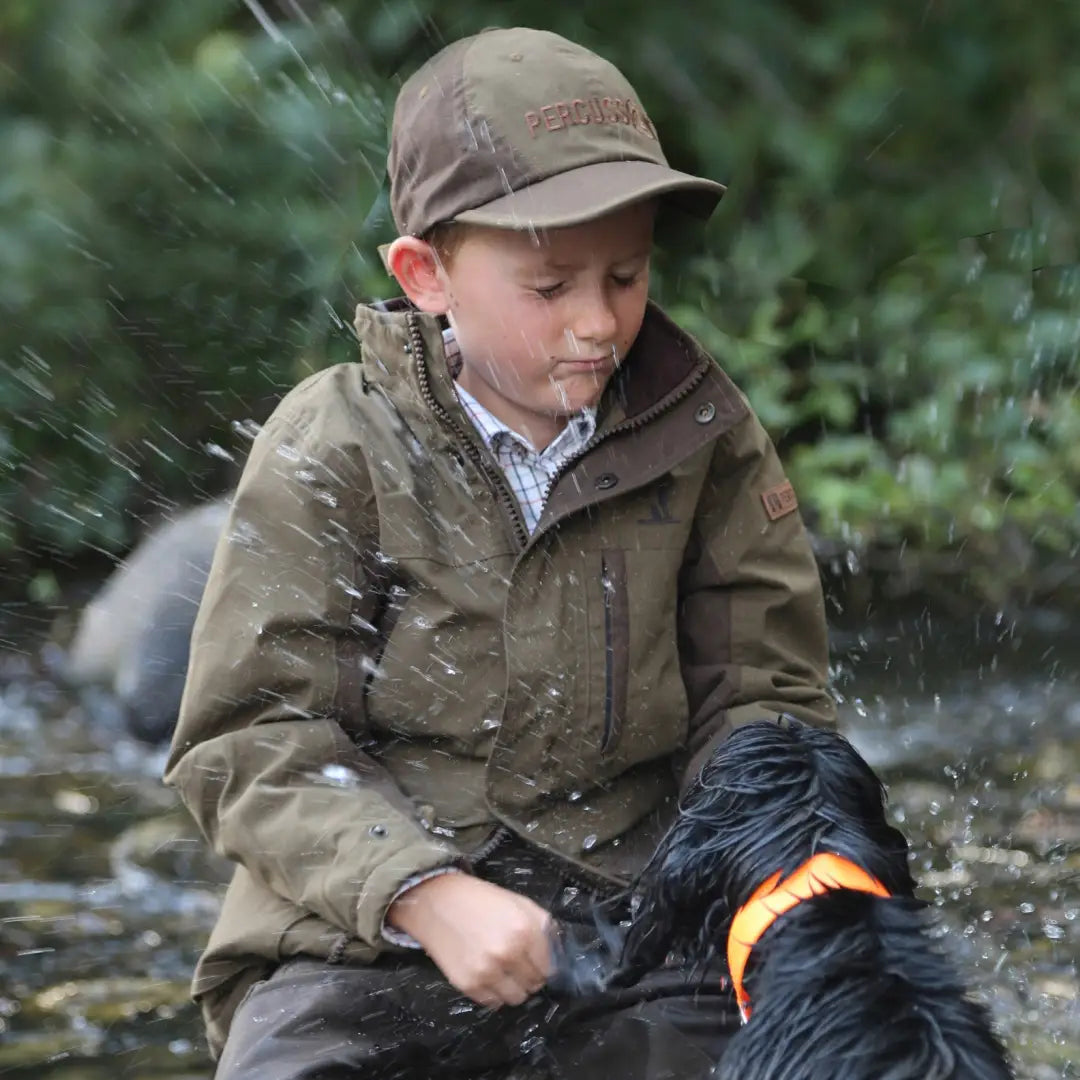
{"type": "Point", "coordinates": [543, 320]}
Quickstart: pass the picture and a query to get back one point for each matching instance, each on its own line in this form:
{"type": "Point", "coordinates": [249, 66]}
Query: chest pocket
{"type": "Point", "coordinates": [436, 513]}
{"type": "Point", "coordinates": [656, 516]}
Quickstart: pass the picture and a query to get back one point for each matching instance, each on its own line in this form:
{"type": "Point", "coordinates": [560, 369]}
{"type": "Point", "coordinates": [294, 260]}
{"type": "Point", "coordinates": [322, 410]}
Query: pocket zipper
{"type": "Point", "coordinates": [607, 587]}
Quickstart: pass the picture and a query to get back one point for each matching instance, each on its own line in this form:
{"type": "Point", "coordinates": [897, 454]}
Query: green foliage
{"type": "Point", "coordinates": [191, 199]}
{"type": "Point", "coordinates": [181, 201]}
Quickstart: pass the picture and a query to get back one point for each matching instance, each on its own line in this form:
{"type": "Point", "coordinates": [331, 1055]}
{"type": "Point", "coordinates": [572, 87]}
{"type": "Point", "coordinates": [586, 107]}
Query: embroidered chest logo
{"type": "Point", "coordinates": [660, 511]}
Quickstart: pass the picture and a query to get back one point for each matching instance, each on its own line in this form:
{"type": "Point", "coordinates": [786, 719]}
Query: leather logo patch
{"type": "Point", "coordinates": [779, 500]}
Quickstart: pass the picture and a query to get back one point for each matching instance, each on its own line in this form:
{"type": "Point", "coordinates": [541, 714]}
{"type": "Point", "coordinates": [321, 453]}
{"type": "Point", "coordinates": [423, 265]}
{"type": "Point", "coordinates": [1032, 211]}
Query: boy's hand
{"type": "Point", "coordinates": [491, 944]}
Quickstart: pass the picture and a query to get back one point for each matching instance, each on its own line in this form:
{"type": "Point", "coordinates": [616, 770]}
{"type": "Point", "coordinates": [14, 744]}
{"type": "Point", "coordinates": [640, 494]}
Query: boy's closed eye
{"type": "Point", "coordinates": [622, 281]}
{"type": "Point", "coordinates": [549, 292]}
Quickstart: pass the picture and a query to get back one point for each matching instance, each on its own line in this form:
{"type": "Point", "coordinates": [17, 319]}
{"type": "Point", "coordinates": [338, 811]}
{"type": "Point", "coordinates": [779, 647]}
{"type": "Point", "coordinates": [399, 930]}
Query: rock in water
{"type": "Point", "coordinates": [135, 634]}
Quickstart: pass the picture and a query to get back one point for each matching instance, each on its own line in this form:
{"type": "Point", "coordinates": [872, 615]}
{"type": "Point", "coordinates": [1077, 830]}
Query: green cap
{"type": "Point", "coordinates": [520, 129]}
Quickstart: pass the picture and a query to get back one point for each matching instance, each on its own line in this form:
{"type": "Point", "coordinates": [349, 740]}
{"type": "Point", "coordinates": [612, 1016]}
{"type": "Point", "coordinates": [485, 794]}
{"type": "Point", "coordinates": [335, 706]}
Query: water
{"type": "Point", "coordinates": [106, 896]}
{"type": "Point", "coordinates": [976, 729]}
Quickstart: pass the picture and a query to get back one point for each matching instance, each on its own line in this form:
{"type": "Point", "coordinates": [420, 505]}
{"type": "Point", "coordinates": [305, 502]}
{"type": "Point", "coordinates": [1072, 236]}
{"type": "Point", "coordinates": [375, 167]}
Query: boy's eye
{"type": "Point", "coordinates": [624, 281]}
{"type": "Point", "coordinates": [547, 292]}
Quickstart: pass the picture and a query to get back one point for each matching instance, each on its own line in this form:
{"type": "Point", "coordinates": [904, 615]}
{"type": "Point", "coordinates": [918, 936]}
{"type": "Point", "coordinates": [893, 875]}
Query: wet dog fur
{"type": "Point", "coordinates": [846, 986]}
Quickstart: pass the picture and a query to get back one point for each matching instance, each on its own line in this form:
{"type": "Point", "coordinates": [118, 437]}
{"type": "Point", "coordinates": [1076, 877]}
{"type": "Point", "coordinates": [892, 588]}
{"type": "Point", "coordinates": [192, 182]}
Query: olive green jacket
{"type": "Point", "coordinates": [388, 671]}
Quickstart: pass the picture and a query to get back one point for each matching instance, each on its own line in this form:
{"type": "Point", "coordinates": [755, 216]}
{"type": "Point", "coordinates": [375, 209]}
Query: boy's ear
{"type": "Point", "coordinates": [419, 273]}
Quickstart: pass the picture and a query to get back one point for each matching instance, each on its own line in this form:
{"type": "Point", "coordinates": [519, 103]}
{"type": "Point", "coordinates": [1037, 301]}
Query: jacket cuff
{"type": "Point", "coordinates": [382, 884]}
{"type": "Point", "coordinates": [399, 937]}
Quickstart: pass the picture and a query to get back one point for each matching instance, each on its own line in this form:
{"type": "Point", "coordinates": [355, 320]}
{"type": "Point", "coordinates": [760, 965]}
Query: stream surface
{"type": "Point", "coordinates": [106, 895]}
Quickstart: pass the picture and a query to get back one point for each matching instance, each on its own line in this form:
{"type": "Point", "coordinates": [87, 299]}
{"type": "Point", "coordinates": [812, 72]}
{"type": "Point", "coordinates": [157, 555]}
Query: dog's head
{"type": "Point", "coordinates": [771, 796]}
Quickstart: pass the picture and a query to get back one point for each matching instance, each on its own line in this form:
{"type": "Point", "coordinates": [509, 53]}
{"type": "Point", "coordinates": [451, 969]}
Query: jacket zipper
{"type": "Point", "coordinates": [491, 844]}
{"type": "Point", "coordinates": [476, 455]}
{"type": "Point", "coordinates": [502, 833]}
{"type": "Point", "coordinates": [606, 587]}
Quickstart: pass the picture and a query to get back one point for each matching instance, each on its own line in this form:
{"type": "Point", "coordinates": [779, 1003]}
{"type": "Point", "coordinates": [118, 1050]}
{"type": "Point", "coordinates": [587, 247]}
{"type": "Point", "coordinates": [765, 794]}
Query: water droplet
{"type": "Point", "coordinates": [339, 775]}
{"type": "Point", "coordinates": [77, 803]}
{"type": "Point", "coordinates": [214, 450]}
{"type": "Point", "coordinates": [247, 428]}
{"type": "Point", "coordinates": [370, 666]}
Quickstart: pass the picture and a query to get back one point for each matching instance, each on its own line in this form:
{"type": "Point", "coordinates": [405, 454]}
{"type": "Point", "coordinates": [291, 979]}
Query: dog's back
{"type": "Point", "coordinates": [851, 986]}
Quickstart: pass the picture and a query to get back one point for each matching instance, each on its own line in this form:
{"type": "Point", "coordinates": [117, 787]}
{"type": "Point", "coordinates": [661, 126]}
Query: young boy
{"type": "Point", "coordinates": [486, 600]}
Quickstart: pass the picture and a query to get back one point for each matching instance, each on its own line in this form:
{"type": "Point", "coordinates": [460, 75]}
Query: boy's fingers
{"type": "Point", "coordinates": [506, 990]}
{"type": "Point", "coordinates": [540, 954]}
{"type": "Point", "coordinates": [522, 974]}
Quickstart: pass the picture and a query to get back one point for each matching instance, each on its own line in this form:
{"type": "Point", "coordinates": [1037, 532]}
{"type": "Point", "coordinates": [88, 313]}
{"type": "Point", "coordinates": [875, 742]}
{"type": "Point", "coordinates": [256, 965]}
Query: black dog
{"type": "Point", "coordinates": [844, 985]}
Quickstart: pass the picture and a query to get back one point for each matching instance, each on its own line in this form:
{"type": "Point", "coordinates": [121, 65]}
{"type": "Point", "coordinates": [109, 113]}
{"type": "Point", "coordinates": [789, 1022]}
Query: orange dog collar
{"type": "Point", "coordinates": [773, 898]}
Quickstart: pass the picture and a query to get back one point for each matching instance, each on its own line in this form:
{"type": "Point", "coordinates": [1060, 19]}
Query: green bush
{"type": "Point", "coordinates": [192, 194]}
{"type": "Point", "coordinates": [181, 206]}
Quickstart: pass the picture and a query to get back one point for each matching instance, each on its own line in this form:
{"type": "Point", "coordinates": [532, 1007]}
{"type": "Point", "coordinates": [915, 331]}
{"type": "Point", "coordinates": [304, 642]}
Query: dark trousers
{"type": "Point", "coordinates": [401, 1019]}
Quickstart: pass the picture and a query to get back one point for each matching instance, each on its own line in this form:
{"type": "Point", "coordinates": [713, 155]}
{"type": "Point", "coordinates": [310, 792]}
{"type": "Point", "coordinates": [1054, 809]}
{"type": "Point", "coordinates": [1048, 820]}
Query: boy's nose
{"type": "Point", "coordinates": [594, 326]}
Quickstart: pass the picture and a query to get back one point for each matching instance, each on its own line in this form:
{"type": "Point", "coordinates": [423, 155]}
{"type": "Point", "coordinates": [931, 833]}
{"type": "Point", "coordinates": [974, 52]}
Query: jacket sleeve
{"type": "Point", "coordinates": [753, 641]}
{"type": "Point", "coordinates": [267, 754]}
